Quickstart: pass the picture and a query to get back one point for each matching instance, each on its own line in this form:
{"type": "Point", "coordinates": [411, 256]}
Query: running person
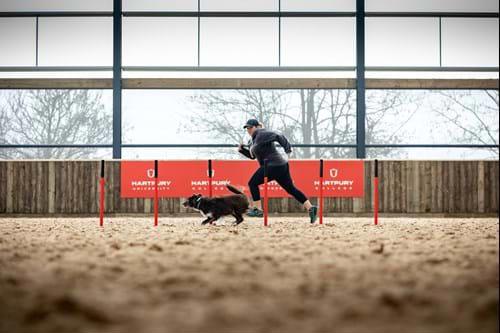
{"type": "Point", "coordinates": [263, 148]}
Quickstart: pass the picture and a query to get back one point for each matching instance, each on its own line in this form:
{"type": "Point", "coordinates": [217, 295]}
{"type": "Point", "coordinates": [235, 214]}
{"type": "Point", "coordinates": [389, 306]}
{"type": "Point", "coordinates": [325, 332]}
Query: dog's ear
{"type": "Point", "coordinates": [198, 195]}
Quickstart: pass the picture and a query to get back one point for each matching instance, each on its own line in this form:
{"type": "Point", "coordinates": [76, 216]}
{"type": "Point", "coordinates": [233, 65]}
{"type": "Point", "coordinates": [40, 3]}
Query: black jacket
{"type": "Point", "coordinates": [263, 147]}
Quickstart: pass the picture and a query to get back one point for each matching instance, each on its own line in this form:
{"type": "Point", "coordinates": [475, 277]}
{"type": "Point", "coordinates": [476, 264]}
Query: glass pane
{"type": "Point", "coordinates": [56, 5]}
{"type": "Point", "coordinates": [74, 41]}
{"type": "Point", "coordinates": [239, 42]}
{"type": "Point", "coordinates": [160, 41]}
{"type": "Point", "coordinates": [239, 5]}
{"type": "Point", "coordinates": [470, 42]}
{"type": "Point", "coordinates": [55, 116]}
{"type": "Point", "coordinates": [323, 41]}
{"type": "Point", "coordinates": [402, 41]}
{"type": "Point", "coordinates": [431, 75]}
{"type": "Point", "coordinates": [432, 5]}
{"type": "Point", "coordinates": [55, 153]}
{"type": "Point", "coordinates": [17, 40]}
{"type": "Point", "coordinates": [217, 116]}
{"type": "Point", "coordinates": [432, 117]}
{"type": "Point", "coordinates": [433, 153]}
{"type": "Point", "coordinates": [180, 153]}
{"type": "Point", "coordinates": [155, 5]}
{"type": "Point", "coordinates": [239, 74]}
{"type": "Point", "coordinates": [223, 153]}
{"type": "Point", "coordinates": [318, 5]}
{"type": "Point", "coordinates": [58, 75]}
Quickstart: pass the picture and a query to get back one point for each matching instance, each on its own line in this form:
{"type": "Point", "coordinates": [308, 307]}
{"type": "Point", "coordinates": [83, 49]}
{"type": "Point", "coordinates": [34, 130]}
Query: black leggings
{"type": "Point", "coordinates": [280, 173]}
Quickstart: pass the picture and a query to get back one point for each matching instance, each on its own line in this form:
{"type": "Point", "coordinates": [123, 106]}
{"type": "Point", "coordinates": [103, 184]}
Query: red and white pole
{"type": "Point", "coordinates": [156, 194]}
{"type": "Point", "coordinates": [375, 193]}
{"type": "Point", "coordinates": [321, 191]}
{"type": "Point", "coordinates": [265, 194]}
{"type": "Point", "coordinates": [210, 178]}
{"type": "Point", "coordinates": [101, 196]}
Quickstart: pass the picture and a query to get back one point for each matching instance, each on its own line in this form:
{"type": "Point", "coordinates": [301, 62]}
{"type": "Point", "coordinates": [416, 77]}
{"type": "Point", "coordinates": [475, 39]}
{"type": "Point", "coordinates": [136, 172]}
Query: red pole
{"type": "Point", "coordinates": [210, 178]}
{"type": "Point", "coordinates": [375, 193]}
{"type": "Point", "coordinates": [265, 194]}
{"type": "Point", "coordinates": [156, 194]}
{"type": "Point", "coordinates": [101, 196]}
{"type": "Point", "coordinates": [321, 191]}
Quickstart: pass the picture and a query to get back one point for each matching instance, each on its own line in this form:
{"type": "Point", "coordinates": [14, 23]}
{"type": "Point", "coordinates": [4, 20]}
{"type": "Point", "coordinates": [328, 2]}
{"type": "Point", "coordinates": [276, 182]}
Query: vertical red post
{"type": "Point", "coordinates": [375, 193]}
{"type": "Point", "coordinates": [265, 194]}
{"type": "Point", "coordinates": [101, 196]}
{"type": "Point", "coordinates": [210, 178]}
{"type": "Point", "coordinates": [156, 194]}
{"type": "Point", "coordinates": [321, 191]}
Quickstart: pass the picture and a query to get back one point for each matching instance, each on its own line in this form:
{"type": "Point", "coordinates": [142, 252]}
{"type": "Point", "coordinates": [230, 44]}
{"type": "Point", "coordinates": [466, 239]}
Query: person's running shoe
{"type": "Point", "coordinates": [255, 212]}
{"type": "Point", "coordinates": [313, 213]}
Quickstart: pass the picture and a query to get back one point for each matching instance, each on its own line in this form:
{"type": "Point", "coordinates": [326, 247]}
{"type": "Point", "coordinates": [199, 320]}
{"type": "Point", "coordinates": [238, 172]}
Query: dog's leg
{"type": "Point", "coordinates": [238, 216]}
{"type": "Point", "coordinates": [207, 220]}
{"type": "Point", "coordinates": [214, 219]}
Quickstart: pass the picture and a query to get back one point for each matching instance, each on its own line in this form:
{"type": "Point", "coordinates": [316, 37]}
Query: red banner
{"type": "Point", "coordinates": [343, 178]}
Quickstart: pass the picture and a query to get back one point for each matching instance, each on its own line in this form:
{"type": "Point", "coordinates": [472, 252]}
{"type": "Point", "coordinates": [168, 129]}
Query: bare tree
{"type": "Point", "coordinates": [387, 113]}
{"type": "Point", "coordinates": [54, 117]}
{"type": "Point", "coordinates": [308, 116]}
{"type": "Point", "coordinates": [473, 118]}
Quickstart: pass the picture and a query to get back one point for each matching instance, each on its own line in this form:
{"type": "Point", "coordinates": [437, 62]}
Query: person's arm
{"type": "Point", "coordinates": [245, 152]}
{"type": "Point", "coordinates": [283, 141]}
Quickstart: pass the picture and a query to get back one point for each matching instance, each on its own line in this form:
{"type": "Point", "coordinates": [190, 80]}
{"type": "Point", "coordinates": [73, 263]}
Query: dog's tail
{"type": "Point", "coordinates": [234, 189]}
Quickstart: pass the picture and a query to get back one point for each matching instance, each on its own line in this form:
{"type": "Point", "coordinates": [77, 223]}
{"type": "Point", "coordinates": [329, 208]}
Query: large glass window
{"type": "Point", "coordinates": [56, 5]}
{"type": "Point", "coordinates": [318, 41]}
{"type": "Point", "coordinates": [56, 153]}
{"type": "Point", "coordinates": [54, 117]}
{"type": "Point", "coordinates": [433, 117]}
{"type": "Point", "coordinates": [69, 41]}
{"type": "Point", "coordinates": [470, 42]}
{"type": "Point", "coordinates": [166, 41]}
{"type": "Point", "coordinates": [402, 41]}
{"type": "Point", "coordinates": [227, 153]}
{"type": "Point", "coordinates": [432, 5]}
{"type": "Point", "coordinates": [239, 42]}
{"type": "Point", "coordinates": [231, 5]}
{"type": "Point", "coordinates": [17, 41]}
{"type": "Point", "coordinates": [308, 116]}
{"type": "Point", "coordinates": [318, 5]}
{"type": "Point", "coordinates": [433, 153]}
{"type": "Point", "coordinates": [164, 5]}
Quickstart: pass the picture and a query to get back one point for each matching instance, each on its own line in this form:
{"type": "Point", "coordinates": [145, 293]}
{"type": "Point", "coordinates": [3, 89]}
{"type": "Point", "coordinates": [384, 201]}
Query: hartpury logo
{"type": "Point", "coordinates": [150, 173]}
{"type": "Point", "coordinates": [334, 173]}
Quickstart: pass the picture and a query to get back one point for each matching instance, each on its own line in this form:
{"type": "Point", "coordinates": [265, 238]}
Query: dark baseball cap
{"type": "Point", "coordinates": [251, 123]}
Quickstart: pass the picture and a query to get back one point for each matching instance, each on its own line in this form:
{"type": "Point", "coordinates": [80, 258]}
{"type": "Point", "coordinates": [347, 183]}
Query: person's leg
{"type": "Point", "coordinates": [284, 178]}
{"type": "Point", "coordinates": [282, 175]}
{"type": "Point", "coordinates": [253, 184]}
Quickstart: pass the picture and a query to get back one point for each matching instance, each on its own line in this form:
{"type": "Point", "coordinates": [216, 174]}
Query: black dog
{"type": "Point", "coordinates": [214, 208]}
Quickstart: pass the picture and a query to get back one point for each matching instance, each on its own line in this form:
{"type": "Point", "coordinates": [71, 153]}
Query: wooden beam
{"type": "Point", "coordinates": [244, 83]}
{"type": "Point", "coordinates": [431, 83]}
{"type": "Point", "coordinates": [247, 83]}
{"type": "Point", "coordinates": [47, 83]}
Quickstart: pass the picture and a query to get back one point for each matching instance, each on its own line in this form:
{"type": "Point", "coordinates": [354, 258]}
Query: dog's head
{"type": "Point", "coordinates": [192, 201]}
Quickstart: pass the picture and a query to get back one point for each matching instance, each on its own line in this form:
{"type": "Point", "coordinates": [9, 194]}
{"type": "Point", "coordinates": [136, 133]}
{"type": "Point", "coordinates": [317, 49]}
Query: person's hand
{"type": "Point", "coordinates": [240, 147]}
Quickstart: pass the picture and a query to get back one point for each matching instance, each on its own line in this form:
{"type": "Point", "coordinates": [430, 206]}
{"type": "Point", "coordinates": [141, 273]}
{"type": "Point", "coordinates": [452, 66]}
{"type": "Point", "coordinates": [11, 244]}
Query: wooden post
{"type": "Point", "coordinates": [156, 194]}
{"type": "Point", "coordinates": [101, 196]}
{"type": "Point", "coordinates": [265, 194]}
{"type": "Point", "coordinates": [321, 191]}
{"type": "Point", "coordinates": [375, 193]}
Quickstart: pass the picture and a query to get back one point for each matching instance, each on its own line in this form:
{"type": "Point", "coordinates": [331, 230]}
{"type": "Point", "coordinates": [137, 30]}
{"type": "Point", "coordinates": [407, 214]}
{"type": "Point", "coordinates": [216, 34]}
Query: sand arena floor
{"type": "Point", "coordinates": [406, 275]}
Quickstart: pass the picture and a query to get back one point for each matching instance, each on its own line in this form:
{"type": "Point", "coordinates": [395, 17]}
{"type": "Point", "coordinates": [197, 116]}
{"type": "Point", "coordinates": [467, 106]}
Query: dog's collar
{"type": "Point", "coordinates": [198, 201]}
